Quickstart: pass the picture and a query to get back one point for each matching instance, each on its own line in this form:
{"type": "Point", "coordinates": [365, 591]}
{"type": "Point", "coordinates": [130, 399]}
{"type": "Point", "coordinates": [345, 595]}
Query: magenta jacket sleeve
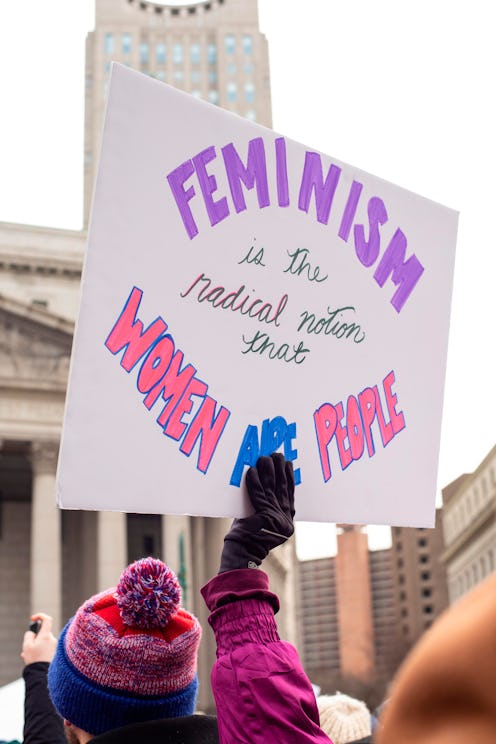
{"type": "Point", "coordinates": [262, 694]}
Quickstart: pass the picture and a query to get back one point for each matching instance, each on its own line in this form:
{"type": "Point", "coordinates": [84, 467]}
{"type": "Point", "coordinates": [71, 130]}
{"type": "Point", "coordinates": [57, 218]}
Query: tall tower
{"type": "Point", "coordinates": [213, 50]}
{"type": "Point", "coordinates": [353, 590]}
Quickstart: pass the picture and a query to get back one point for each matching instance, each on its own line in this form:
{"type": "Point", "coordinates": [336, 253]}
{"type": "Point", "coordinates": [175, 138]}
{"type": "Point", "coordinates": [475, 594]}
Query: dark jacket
{"type": "Point", "coordinates": [188, 730]}
{"type": "Point", "coordinates": [42, 723]}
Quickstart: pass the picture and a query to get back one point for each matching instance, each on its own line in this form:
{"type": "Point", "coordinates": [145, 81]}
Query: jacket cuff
{"type": "Point", "coordinates": [238, 585]}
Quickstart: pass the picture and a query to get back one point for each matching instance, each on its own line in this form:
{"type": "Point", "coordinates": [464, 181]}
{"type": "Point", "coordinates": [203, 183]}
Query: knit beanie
{"type": "Point", "coordinates": [129, 654]}
{"type": "Point", "coordinates": [343, 718]}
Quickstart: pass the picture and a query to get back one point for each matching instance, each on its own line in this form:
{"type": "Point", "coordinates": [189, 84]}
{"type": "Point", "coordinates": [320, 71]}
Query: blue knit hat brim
{"type": "Point", "coordinates": [96, 709]}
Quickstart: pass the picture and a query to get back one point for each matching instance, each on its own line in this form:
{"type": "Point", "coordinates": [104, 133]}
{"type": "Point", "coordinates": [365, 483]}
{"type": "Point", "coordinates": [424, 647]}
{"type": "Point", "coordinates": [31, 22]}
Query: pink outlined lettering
{"type": "Point", "coordinates": [128, 334]}
{"type": "Point", "coordinates": [355, 428]}
{"type": "Point", "coordinates": [163, 376]}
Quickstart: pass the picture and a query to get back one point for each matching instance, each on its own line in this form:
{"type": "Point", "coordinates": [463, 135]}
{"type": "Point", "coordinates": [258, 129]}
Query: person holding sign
{"type": "Point", "coordinates": [124, 669]}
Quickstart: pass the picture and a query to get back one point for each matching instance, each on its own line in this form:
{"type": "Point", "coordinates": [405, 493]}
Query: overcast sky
{"type": "Point", "coordinates": [404, 90]}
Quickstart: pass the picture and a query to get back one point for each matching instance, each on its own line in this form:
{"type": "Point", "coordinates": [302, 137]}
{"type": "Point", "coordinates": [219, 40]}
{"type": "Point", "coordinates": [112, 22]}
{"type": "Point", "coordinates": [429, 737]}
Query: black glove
{"type": "Point", "coordinates": [271, 490]}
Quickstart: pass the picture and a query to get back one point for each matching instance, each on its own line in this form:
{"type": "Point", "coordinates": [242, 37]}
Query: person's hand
{"type": "Point", "coordinates": [40, 646]}
{"type": "Point", "coordinates": [271, 491]}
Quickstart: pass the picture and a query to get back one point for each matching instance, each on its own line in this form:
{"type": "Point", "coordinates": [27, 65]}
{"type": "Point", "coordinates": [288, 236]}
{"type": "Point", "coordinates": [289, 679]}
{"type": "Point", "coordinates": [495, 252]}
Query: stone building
{"type": "Point", "coordinates": [469, 523]}
{"type": "Point", "coordinates": [349, 615]}
{"type": "Point", "coordinates": [51, 560]}
{"type": "Point", "coordinates": [419, 577]}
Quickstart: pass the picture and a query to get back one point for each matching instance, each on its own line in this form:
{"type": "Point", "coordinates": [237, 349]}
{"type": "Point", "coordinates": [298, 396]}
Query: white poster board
{"type": "Point", "coordinates": [243, 293]}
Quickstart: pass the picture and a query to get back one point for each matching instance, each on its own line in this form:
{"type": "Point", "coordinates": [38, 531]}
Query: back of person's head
{"type": "Point", "coordinates": [344, 719]}
{"type": "Point", "coordinates": [128, 655]}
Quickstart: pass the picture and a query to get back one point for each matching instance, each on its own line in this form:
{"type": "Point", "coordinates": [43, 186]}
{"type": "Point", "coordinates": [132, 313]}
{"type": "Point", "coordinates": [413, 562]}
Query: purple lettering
{"type": "Point", "coordinates": [255, 172]}
{"type": "Point", "coordinates": [176, 180]}
{"type": "Point", "coordinates": [312, 180]}
{"type": "Point", "coordinates": [217, 210]}
{"type": "Point", "coordinates": [403, 273]}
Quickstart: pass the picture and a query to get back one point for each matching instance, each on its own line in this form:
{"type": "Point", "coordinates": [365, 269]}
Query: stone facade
{"type": "Point", "coordinates": [469, 523]}
{"type": "Point", "coordinates": [419, 577]}
{"type": "Point", "coordinates": [51, 560]}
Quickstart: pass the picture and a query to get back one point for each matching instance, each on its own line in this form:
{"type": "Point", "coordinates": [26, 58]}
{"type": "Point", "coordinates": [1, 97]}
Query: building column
{"type": "Point", "coordinates": [46, 564]}
{"type": "Point", "coordinates": [176, 551]}
{"type": "Point", "coordinates": [111, 548]}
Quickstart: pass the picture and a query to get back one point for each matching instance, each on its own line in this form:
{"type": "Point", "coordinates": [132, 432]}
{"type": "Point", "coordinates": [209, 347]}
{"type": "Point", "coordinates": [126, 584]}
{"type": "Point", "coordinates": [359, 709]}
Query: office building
{"type": "Point", "coordinates": [348, 617]}
{"type": "Point", "coordinates": [419, 577]}
{"type": "Point", "coordinates": [51, 560]}
{"type": "Point", "coordinates": [469, 522]}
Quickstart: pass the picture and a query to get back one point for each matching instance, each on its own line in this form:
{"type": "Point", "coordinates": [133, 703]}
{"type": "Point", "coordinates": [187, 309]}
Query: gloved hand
{"type": "Point", "coordinates": [271, 491]}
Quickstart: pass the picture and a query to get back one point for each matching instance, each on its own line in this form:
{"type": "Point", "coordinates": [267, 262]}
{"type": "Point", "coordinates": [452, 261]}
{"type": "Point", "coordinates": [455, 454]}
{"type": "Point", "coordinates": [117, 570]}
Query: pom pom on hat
{"type": "Point", "coordinates": [148, 594]}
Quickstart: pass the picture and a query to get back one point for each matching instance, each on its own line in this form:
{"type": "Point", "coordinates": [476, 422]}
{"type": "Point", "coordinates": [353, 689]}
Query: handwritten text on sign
{"type": "Point", "coordinates": [404, 273]}
{"type": "Point", "coordinates": [162, 378]}
{"type": "Point", "coordinates": [242, 294]}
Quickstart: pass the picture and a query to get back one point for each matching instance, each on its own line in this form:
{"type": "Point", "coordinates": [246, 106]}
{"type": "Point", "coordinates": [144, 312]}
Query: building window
{"type": "Point", "coordinates": [400, 562]}
{"type": "Point", "coordinates": [247, 44]}
{"type": "Point", "coordinates": [248, 68]}
{"type": "Point", "coordinates": [399, 546]}
{"type": "Point", "coordinates": [404, 612]}
{"type": "Point", "coordinates": [195, 52]}
{"type": "Point", "coordinates": [231, 92]}
{"type": "Point", "coordinates": [109, 43]}
{"type": "Point", "coordinates": [230, 43]}
{"type": "Point", "coordinates": [212, 54]}
{"type": "Point", "coordinates": [126, 43]}
{"type": "Point", "coordinates": [196, 94]}
{"type": "Point", "coordinates": [144, 52]}
{"type": "Point", "coordinates": [212, 77]}
{"type": "Point", "coordinates": [424, 559]}
{"type": "Point", "coordinates": [427, 610]}
{"type": "Point", "coordinates": [422, 542]}
{"type": "Point", "coordinates": [178, 76]}
{"type": "Point", "coordinates": [177, 54]}
{"type": "Point", "coordinates": [213, 96]}
{"type": "Point", "coordinates": [160, 51]}
{"type": "Point", "coordinates": [195, 76]}
{"type": "Point", "coordinates": [231, 68]}
{"type": "Point", "coordinates": [160, 75]}
{"type": "Point", "coordinates": [401, 579]}
{"type": "Point", "coordinates": [402, 596]}
{"type": "Point", "coordinates": [251, 115]}
{"type": "Point", "coordinates": [405, 630]}
{"type": "Point", "coordinates": [483, 567]}
{"type": "Point", "coordinates": [426, 592]}
{"type": "Point", "coordinates": [249, 92]}
{"type": "Point", "coordinates": [425, 575]}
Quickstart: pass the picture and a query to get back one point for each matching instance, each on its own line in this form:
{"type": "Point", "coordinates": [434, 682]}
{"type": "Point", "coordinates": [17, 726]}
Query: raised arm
{"type": "Point", "coordinates": [263, 696]}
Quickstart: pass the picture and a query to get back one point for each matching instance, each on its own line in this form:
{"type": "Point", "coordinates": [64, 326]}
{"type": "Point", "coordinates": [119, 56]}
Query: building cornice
{"type": "Point", "coordinates": [177, 10]}
{"type": "Point", "coordinates": [37, 315]}
{"type": "Point", "coordinates": [483, 519]}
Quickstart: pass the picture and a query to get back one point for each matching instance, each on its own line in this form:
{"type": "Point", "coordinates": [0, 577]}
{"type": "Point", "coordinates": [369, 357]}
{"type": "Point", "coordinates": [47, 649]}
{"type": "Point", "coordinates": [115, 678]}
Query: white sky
{"type": "Point", "coordinates": [404, 90]}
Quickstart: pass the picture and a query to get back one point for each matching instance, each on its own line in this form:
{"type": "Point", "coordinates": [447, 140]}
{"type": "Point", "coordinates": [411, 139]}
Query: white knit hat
{"type": "Point", "coordinates": [343, 718]}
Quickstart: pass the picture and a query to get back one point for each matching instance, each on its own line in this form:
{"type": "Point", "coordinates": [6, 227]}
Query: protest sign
{"type": "Point", "coordinates": [243, 293]}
